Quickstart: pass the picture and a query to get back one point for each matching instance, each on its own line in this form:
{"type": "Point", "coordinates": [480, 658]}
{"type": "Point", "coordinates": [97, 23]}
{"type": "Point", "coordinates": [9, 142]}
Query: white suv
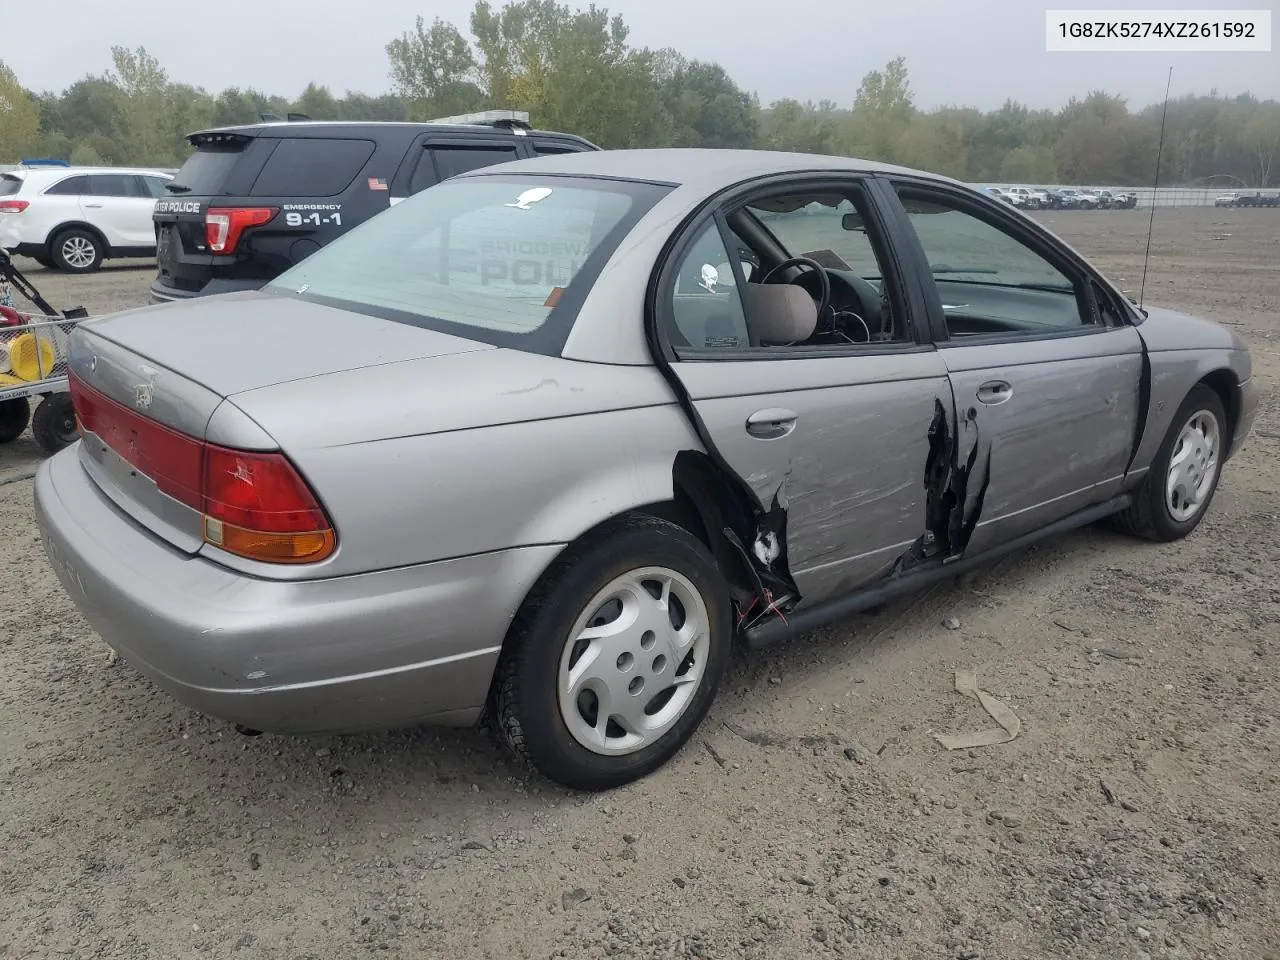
{"type": "Point", "coordinates": [73, 218]}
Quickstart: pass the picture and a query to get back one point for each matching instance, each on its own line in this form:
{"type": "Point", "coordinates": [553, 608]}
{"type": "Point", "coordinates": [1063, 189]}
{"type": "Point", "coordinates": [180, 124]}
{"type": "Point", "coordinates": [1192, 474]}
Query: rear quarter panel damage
{"type": "Point", "coordinates": [425, 497]}
{"type": "Point", "coordinates": [1183, 350]}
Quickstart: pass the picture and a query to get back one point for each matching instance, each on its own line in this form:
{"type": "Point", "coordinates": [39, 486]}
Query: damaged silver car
{"type": "Point", "coordinates": [543, 441]}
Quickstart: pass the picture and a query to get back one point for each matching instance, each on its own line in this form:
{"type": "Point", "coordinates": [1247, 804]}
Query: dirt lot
{"type": "Point", "coordinates": [1138, 814]}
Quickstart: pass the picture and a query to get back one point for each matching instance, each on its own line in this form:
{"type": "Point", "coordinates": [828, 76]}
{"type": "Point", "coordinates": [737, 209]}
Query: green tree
{"type": "Point", "coordinates": [704, 107]}
{"type": "Point", "coordinates": [19, 118]}
{"type": "Point", "coordinates": [571, 69]}
{"type": "Point", "coordinates": [433, 68]}
{"type": "Point", "coordinates": [882, 108]}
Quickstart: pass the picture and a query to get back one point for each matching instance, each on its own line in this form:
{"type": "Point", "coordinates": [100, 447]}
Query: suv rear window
{"type": "Point", "coordinates": [206, 171]}
{"type": "Point", "coordinates": [501, 259]}
{"type": "Point", "coordinates": [312, 167]}
{"type": "Point", "coordinates": [9, 185]}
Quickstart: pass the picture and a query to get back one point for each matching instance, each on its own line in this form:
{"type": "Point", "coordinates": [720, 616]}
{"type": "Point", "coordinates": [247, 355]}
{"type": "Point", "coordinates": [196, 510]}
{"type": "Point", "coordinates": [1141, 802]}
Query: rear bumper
{"type": "Point", "coordinates": [163, 293]}
{"type": "Point", "coordinates": [373, 651]}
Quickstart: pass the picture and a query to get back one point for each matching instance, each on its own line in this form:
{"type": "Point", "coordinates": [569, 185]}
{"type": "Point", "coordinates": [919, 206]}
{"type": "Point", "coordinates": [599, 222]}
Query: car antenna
{"type": "Point", "coordinates": [1155, 186]}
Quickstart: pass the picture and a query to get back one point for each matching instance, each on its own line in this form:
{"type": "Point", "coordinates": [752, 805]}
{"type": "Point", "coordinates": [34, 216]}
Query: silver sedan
{"type": "Point", "coordinates": [540, 443]}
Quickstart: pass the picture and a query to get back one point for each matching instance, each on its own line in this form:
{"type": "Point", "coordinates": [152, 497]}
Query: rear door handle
{"type": "Point", "coordinates": [94, 206]}
{"type": "Point", "coordinates": [771, 424]}
{"type": "Point", "coordinates": [994, 391]}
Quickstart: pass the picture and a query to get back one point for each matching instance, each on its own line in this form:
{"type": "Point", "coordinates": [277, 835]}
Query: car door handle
{"type": "Point", "coordinates": [771, 424]}
{"type": "Point", "coordinates": [994, 391]}
{"type": "Point", "coordinates": [94, 206]}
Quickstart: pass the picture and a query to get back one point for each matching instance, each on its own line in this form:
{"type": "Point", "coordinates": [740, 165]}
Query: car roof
{"type": "Point", "coordinates": [62, 172]}
{"type": "Point", "coordinates": [697, 168]}
{"type": "Point", "coordinates": [321, 128]}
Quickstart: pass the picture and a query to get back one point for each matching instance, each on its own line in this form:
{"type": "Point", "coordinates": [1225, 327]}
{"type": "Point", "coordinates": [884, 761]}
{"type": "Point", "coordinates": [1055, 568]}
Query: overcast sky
{"type": "Point", "coordinates": [970, 52]}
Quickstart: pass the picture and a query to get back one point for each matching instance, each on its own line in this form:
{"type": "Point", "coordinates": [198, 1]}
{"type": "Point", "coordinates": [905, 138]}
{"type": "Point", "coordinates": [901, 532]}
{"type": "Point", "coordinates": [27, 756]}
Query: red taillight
{"type": "Point", "coordinates": [224, 225]}
{"type": "Point", "coordinates": [13, 206]}
{"type": "Point", "coordinates": [254, 504]}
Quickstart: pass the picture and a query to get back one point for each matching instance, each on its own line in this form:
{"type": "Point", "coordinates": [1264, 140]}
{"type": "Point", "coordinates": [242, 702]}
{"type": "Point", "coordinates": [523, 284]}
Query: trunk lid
{"type": "Point", "coordinates": [151, 387]}
{"type": "Point", "coordinates": [242, 341]}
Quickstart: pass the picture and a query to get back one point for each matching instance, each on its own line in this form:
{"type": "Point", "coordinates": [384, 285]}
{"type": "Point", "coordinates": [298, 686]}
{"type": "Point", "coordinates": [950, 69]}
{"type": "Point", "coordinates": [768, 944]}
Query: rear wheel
{"type": "Point", "coordinates": [14, 416]}
{"type": "Point", "coordinates": [1178, 488]}
{"type": "Point", "coordinates": [77, 251]}
{"type": "Point", "coordinates": [54, 423]}
{"type": "Point", "coordinates": [616, 656]}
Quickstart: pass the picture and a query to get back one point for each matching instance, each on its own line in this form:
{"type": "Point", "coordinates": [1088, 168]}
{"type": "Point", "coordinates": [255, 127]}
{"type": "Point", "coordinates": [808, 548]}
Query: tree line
{"type": "Point", "coordinates": [574, 70]}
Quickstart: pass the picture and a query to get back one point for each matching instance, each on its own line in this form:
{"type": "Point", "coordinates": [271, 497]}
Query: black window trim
{"type": "Point", "coordinates": [740, 194]}
{"type": "Point", "coordinates": [1008, 220]}
{"type": "Point", "coordinates": [425, 141]}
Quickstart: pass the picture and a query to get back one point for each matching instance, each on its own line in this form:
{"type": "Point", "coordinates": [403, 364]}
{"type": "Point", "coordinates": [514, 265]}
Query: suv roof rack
{"type": "Point", "coordinates": [287, 118]}
{"type": "Point", "coordinates": [515, 120]}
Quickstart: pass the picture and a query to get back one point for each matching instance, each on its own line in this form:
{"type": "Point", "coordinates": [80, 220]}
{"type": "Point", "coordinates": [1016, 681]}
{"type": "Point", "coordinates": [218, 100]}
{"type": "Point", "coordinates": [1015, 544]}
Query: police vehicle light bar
{"type": "Point", "coordinates": [491, 118]}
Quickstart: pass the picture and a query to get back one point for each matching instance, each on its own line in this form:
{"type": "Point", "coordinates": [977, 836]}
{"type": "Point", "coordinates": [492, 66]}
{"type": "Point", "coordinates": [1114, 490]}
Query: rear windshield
{"type": "Point", "coordinates": [9, 185]}
{"type": "Point", "coordinates": [206, 171]}
{"type": "Point", "coordinates": [499, 258]}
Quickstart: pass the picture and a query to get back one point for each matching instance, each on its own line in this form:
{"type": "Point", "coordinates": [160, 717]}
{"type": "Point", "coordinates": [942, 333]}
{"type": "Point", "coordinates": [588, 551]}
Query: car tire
{"type": "Point", "coordinates": [77, 251]}
{"type": "Point", "coordinates": [533, 705]}
{"type": "Point", "coordinates": [1155, 513]}
{"type": "Point", "coordinates": [54, 423]}
{"type": "Point", "coordinates": [14, 417]}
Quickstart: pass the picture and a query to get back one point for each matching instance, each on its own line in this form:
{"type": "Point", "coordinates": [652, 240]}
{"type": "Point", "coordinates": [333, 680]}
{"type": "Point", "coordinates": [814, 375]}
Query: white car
{"type": "Point", "coordinates": [1088, 199]}
{"type": "Point", "coordinates": [1028, 197]}
{"type": "Point", "coordinates": [73, 218]}
{"type": "Point", "coordinates": [1227, 200]}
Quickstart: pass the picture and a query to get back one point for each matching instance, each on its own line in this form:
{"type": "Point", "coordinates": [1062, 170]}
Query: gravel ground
{"type": "Point", "coordinates": [1137, 815]}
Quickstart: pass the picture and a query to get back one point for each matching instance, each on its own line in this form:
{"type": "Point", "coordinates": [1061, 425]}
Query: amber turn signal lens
{"type": "Point", "coordinates": [307, 547]}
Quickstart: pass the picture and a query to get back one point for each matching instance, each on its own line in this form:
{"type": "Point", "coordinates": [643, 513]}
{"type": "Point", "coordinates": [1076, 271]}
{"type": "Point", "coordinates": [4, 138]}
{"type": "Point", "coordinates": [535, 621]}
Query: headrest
{"type": "Point", "coordinates": [779, 313]}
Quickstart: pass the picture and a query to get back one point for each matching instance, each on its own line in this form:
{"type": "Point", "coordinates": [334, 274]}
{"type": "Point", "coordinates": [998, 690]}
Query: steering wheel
{"type": "Point", "coordinates": [824, 297]}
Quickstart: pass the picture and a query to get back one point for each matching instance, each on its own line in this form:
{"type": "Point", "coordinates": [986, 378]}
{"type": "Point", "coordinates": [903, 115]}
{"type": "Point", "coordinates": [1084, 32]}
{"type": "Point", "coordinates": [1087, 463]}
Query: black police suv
{"type": "Point", "coordinates": [254, 200]}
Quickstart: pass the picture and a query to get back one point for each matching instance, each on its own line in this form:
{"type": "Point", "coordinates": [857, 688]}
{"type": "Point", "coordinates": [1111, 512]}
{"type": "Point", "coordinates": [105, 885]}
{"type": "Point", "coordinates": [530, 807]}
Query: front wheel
{"type": "Point", "coordinates": [614, 659]}
{"type": "Point", "coordinates": [1173, 498]}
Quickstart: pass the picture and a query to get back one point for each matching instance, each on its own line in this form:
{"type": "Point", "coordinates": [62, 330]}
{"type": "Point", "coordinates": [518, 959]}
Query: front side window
{"type": "Point", "coordinates": [500, 259]}
{"type": "Point", "coordinates": [990, 281]}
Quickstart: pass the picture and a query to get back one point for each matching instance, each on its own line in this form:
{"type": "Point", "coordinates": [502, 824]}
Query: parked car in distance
{"type": "Point", "coordinates": [1029, 197]}
{"type": "Point", "coordinates": [1226, 200]}
{"type": "Point", "coordinates": [1058, 200]}
{"type": "Point", "coordinates": [1257, 199]}
{"type": "Point", "coordinates": [74, 218]}
{"type": "Point", "coordinates": [254, 200]}
{"type": "Point", "coordinates": [624, 310]}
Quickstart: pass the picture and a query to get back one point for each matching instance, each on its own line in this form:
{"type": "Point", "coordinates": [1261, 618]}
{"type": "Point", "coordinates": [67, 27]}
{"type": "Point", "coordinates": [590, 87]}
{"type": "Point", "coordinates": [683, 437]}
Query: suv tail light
{"type": "Point", "coordinates": [224, 225]}
{"type": "Point", "coordinates": [13, 206]}
{"type": "Point", "coordinates": [254, 504]}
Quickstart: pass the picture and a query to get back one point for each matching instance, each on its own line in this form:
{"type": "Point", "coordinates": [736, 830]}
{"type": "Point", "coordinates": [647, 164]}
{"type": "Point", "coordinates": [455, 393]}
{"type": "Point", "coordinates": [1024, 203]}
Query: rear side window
{"type": "Point", "coordinates": [442, 162]}
{"type": "Point", "coordinates": [9, 186]}
{"type": "Point", "coordinates": [155, 186]}
{"type": "Point", "coordinates": [207, 170]}
{"type": "Point", "coordinates": [70, 187]}
{"type": "Point", "coordinates": [504, 260]}
{"type": "Point", "coordinates": [312, 167]}
{"type": "Point", "coordinates": [113, 185]}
